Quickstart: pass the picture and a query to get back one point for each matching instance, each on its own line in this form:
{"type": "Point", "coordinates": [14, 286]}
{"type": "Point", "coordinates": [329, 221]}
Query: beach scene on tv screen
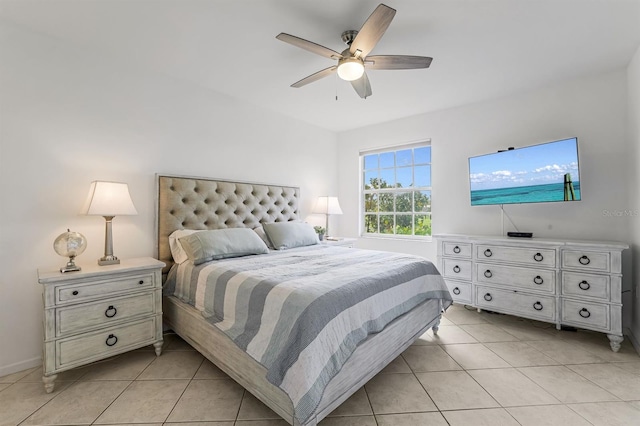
{"type": "Point", "coordinates": [535, 174]}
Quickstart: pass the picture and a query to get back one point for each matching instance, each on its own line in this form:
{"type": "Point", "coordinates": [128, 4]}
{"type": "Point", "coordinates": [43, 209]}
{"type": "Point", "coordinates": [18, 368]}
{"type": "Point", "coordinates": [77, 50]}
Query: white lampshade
{"type": "Point", "coordinates": [327, 205]}
{"type": "Point", "coordinates": [350, 69]}
{"type": "Point", "coordinates": [108, 199]}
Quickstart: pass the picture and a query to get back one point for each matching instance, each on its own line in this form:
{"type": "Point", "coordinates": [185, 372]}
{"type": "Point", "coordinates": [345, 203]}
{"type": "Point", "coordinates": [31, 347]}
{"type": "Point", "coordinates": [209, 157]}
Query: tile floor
{"type": "Point", "coordinates": [481, 369]}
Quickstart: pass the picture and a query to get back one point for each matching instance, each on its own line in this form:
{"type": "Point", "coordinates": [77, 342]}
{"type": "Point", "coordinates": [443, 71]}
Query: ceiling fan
{"type": "Point", "coordinates": [353, 60]}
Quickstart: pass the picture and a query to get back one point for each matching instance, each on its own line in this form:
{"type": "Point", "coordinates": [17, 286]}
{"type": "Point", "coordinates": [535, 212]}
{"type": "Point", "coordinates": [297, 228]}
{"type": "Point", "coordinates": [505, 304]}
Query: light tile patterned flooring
{"type": "Point", "coordinates": [481, 369]}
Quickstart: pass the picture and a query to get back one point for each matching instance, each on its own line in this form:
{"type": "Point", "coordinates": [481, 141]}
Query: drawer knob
{"type": "Point", "coordinates": [537, 306]}
{"type": "Point", "coordinates": [488, 297]}
{"type": "Point", "coordinates": [456, 269]}
{"type": "Point", "coordinates": [141, 282]}
{"type": "Point", "coordinates": [584, 313]}
{"type": "Point", "coordinates": [110, 312]}
{"type": "Point", "coordinates": [456, 249]}
{"type": "Point", "coordinates": [111, 340]}
{"type": "Point", "coordinates": [488, 273]}
{"type": "Point", "coordinates": [538, 280]}
{"type": "Point", "coordinates": [488, 253]}
{"type": "Point", "coordinates": [538, 257]}
{"type": "Point", "coordinates": [456, 291]}
{"type": "Point", "coordinates": [584, 260]}
{"type": "Point", "coordinates": [74, 292]}
{"type": "Point", "coordinates": [584, 285]}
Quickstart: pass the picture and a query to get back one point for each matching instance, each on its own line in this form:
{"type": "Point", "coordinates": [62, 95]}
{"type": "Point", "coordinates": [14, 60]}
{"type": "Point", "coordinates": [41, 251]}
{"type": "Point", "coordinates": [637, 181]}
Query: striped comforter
{"type": "Point", "coordinates": [301, 313]}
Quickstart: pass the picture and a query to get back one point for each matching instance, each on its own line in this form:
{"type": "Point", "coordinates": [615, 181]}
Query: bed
{"type": "Point", "coordinates": [302, 385]}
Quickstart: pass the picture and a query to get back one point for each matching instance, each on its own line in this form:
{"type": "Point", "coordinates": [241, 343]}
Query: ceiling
{"type": "Point", "coordinates": [482, 49]}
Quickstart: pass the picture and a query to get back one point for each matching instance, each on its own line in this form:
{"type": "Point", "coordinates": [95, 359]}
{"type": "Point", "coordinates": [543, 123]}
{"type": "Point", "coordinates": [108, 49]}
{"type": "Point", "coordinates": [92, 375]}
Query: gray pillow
{"type": "Point", "coordinates": [286, 235]}
{"type": "Point", "coordinates": [204, 246]}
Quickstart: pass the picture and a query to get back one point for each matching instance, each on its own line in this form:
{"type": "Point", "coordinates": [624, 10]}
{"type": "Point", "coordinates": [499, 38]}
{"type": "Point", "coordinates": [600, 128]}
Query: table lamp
{"type": "Point", "coordinates": [327, 206]}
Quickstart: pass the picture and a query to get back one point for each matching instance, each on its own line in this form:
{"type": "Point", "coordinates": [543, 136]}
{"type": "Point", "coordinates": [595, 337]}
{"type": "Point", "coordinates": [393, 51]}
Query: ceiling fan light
{"type": "Point", "coordinates": [350, 69]}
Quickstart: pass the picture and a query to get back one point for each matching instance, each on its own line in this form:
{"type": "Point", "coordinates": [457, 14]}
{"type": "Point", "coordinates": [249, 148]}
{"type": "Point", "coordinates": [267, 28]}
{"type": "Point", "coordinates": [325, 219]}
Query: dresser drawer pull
{"type": "Point", "coordinates": [456, 291]}
{"type": "Point", "coordinates": [584, 313]}
{"type": "Point", "coordinates": [537, 306]}
{"type": "Point", "coordinates": [584, 260]}
{"type": "Point", "coordinates": [538, 257]}
{"type": "Point", "coordinates": [74, 292]}
{"type": "Point", "coordinates": [141, 282]}
{"type": "Point", "coordinates": [488, 273]}
{"type": "Point", "coordinates": [456, 269]}
{"type": "Point", "coordinates": [110, 312]}
{"type": "Point", "coordinates": [584, 285]}
{"type": "Point", "coordinates": [538, 280]}
{"type": "Point", "coordinates": [488, 253]}
{"type": "Point", "coordinates": [111, 340]}
{"type": "Point", "coordinates": [456, 249]}
{"type": "Point", "coordinates": [488, 297]}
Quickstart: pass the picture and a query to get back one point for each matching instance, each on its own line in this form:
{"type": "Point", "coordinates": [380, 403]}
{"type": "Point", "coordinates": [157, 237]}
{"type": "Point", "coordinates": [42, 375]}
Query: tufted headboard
{"type": "Point", "coordinates": [201, 203]}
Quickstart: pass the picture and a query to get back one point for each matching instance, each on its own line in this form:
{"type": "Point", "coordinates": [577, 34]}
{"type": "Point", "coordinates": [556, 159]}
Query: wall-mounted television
{"type": "Point", "coordinates": [541, 173]}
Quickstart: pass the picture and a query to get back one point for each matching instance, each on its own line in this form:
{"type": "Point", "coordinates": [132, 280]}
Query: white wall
{"type": "Point", "coordinates": [71, 116]}
{"type": "Point", "coordinates": [633, 81]}
{"type": "Point", "coordinates": [593, 109]}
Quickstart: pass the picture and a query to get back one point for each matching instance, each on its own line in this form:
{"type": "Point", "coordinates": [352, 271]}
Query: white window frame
{"type": "Point", "coordinates": [362, 191]}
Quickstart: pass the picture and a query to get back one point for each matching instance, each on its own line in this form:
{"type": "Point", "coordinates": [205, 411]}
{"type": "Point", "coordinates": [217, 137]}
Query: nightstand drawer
{"type": "Point", "coordinates": [77, 318]}
{"type": "Point", "coordinates": [66, 293]}
{"type": "Point", "coordinates": [593, 315]}
{"type": "Point", "coordinates": [100, 345]}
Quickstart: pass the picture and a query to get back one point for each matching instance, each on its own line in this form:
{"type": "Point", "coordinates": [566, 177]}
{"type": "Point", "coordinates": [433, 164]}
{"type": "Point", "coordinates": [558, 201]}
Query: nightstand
{"type": "Point", "coordinates": [340, 242]}
{"type": "Point", "coordinates": [99, 312]}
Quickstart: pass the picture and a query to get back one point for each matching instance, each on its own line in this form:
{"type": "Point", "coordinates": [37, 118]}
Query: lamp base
{"type": "Point", "coordinates": [108, 260]}
{"type": "Point", "coordinates": [70, 267]}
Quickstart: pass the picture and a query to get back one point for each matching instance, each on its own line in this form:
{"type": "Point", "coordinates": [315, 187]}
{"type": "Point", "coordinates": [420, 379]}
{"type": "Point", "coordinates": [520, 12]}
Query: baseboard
{"type": "Point", "coordinates": [635, 341]}
{"type": "Point", "coordinates": [5, 370]}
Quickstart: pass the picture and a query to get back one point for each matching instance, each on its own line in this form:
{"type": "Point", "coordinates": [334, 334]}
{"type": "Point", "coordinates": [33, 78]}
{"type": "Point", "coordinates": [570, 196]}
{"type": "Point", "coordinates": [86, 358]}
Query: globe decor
{"type": "Point", "coordinates": [70, 244]}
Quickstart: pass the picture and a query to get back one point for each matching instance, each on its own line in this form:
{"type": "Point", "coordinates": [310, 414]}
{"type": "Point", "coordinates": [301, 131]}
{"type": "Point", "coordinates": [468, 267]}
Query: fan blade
{"type": "Point", "coordinates": [372, 30]}
{"type": "Point", "coordinates": [397, 62]}
{"type": "Point", "coordinates": [315, 77]}
{"type": "Point", "coordinates": [362, 86]}
{"type": "Point", "coordinates": [309, 45]}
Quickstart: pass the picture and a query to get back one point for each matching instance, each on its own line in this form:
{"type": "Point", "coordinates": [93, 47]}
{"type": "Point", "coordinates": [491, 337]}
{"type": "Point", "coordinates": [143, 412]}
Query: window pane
{"type": "Point", "coordinates": [404, 202]}
{"type": "Point", "coordinates": [370, 203]}
{"type": "Point", "coordinates": [403, 224]}
{"type": "Point", "coordinates": [386, 203]}
{"type": "Point", "coordinates": [386, 160]}
{"type": "Point", "coordinates": [404, 176]}
{"type": "Point", "coordinates": [387, 178]}
{"type": "Point", "coordinates": [371, 161]}
{"type": "Point", "coordinates": [422, 155]}
{"type": "Point", "coordinates": [386, 224]}
{"type": "Point", "coordinates": [371, 180]}
{"type": "Point", "coordinates": [371, 223]}
{"type": "Point", "coordinates": [422, 175]}
{"type": "Point", "coordinates": [422, 224]}
{"type": "Point", "coordinates": [423, 201]}
{"type": "Point", "coordinates": [403, 158]}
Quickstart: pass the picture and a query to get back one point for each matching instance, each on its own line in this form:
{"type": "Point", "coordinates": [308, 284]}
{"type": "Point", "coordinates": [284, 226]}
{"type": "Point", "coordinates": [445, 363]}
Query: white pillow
{"type": "Point", "coordinates": [178, 253]}
{"type": "Point", "coordinates": [260, 231]}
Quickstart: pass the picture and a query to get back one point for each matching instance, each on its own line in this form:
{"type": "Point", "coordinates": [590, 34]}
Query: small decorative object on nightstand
{"type": "Point", "coordinates": [100, 312]}
{"type": "Point", "coordinates": [340, 242]}
{"type": "Point", "coordinates": [70, 244]}
{"type": "Point", "coordinates": [320, 231]}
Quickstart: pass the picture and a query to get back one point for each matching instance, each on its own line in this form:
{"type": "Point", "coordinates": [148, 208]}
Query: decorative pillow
{"type": "Point", "coordinates": [286, 235]}
{"type": "Point", "coordinates": [260, 231]}
{"type": "Point", "coordinates": [204, 246]}
{"type": "Point", "coordinates": [177, 251]}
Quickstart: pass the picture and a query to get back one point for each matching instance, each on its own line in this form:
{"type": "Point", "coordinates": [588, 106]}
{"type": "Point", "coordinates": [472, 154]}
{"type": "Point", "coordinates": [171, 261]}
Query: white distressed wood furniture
{"type": "Point", "coordinates": [565, 282]}
{"type": "Point", "coordinates": [340, 242]}
{"type": "Point", "coordinates": [99, 312]}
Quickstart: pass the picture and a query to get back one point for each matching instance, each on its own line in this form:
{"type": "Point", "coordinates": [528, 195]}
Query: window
{"type": "Point", "coordinates": [396, 191]}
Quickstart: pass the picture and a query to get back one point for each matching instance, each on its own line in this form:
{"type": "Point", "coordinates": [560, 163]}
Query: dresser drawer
{"type": "Point", "coordinates": [452, 249]}
{"type": "Point", "coordinates": [586, 285]}
{"type": "Point", "coordinates": [589, 315]}
{"type": "Point", "coordinates": [78, 318]}
{"type": "Point", "coordinates": [512, 276]}
{"type": "Point", "coordinates": [586, 260]}
{"type": "Point", "coordinates": [521, 304]}
{"type": "Point", "coordinates": [102, 344]}
{"type": "Point", "coordinates": [91, 290]}
{"type": "Point", "coordinates": [525, 256]}
{"type": "Point", "coordinates": [460, 291]}
{"type": "Point", "coordinates": [455, 268]}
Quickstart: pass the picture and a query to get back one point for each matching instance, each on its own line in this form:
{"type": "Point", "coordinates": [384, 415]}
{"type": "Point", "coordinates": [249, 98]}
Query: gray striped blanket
{"type": "Point", "coordinates": [301, 313]}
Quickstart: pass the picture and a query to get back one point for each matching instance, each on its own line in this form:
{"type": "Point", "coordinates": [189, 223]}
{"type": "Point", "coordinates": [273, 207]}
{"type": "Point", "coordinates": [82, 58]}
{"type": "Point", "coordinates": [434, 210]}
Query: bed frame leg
{"type": "Point", "coordinates": [436, 326]}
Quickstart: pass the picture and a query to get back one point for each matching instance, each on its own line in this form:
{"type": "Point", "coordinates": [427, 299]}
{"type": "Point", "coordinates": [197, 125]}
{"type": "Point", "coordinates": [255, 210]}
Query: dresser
{"type": "Point", "coordinates": [565, 282]}
{"type": "Point", "coordinates": [99, 312]}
